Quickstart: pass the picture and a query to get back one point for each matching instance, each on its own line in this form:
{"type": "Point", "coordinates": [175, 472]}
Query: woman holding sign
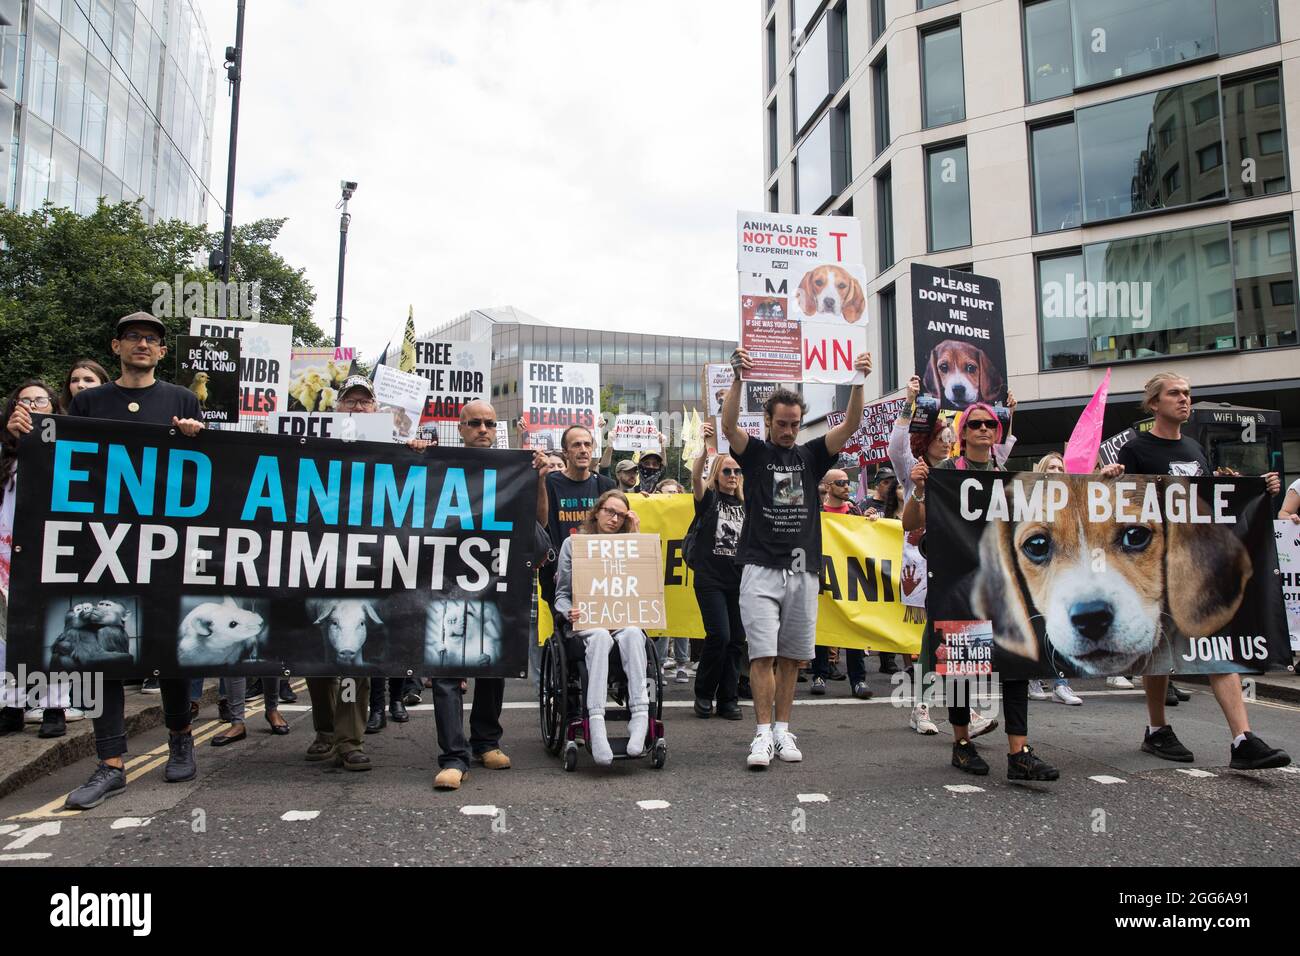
{"type": "Point", "coordinates": [610, 515]}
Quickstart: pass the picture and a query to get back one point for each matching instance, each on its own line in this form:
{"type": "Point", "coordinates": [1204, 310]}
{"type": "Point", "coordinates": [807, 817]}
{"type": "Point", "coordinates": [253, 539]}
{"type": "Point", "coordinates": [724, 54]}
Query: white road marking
{"type": "Point", "coordinates": [653, 804]}
{"type": "Point", "coordinates": [9, 828]}
{"type": "Point", "coordinates": [28, 835]}
{"type": "Point", "coordinates": [1290, 769]}
{"type": "Point", "coordinates": [295, 815]}
{"type": "Point", "coordinates": [1103, 778]}
{"type": "Point", "coordinates": [962, 788]}
{"type": "Point", "coordinates": [484, 811]}
{"type": "Point", "coordinates": [21, 857]}
{"type": "Point", "coordinates": [1196, 773]}
{"type": "Point", "coordinates": [126, 823]}
{"type": "Point", "coordinates": [814, 798]}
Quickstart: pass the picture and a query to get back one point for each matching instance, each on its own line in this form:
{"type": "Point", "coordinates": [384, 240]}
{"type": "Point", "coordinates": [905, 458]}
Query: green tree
{"type": "Point", "coordinates": [66, 279]}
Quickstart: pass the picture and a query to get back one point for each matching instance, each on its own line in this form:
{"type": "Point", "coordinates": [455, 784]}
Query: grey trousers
{"type": "Point", "coordinates": [631, 649]}
{"type": "Point", "coordinates": [237, 688]}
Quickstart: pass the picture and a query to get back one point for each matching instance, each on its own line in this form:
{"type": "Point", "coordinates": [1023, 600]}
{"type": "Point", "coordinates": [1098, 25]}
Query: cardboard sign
{"type": "Point", "coordinates": [752, 424]}
{"type": "Point", "coordinates": [803, 308]}
{"type": "Point", "coordinates": [264, 356]}
{"type": "Point", "coordinates": [358, 426]}
{"type": "Point", "coordinates": [637, 433]}
{"type": "Point", "coordinates": [316, 375]}
{"type": "Point", "coordinates": [209, 367]}
{"type": "Point", "coordinates": [957, 336]}
{"type": "Point", "coordinates": [717, 382]}
{"type": "Point", "coordinates": [870, 443]}
{"type": "Point", "coordinates": [1287, 536]}
{"type": "Point", "coordinates": [557, 395]}
{"type": "Point", "coordinates": [458, 373]}
{"type": "Point", "coordinates": [618, 581]}
{"type": "Point", "coordinates": [401, 394]}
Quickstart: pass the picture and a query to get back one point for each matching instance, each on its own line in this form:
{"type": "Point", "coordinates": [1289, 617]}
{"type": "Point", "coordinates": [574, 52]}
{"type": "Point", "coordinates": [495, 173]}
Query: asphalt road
{"type": "Point", "coordinates": [869, 791]}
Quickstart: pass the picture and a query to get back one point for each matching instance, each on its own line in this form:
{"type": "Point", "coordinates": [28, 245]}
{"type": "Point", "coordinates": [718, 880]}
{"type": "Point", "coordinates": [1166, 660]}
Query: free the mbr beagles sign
{"type": "Point", "coordinates": [137, 550]}
{"type": "Point", "coordinates": [1089, 577]}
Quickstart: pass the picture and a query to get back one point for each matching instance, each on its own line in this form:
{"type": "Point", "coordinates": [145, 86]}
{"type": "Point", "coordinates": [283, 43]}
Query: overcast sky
{"type": "Point", "coordinates": [582, 160]}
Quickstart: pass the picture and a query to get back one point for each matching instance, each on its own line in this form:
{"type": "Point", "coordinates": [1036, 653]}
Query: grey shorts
{"type": "Point", "coordinates": [779, 611]}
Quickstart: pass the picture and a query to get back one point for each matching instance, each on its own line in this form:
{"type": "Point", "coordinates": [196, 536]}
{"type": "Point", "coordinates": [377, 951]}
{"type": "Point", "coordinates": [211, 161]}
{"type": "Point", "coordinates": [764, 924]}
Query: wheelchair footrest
{"type": "Point", "coordinates": [621, 715]}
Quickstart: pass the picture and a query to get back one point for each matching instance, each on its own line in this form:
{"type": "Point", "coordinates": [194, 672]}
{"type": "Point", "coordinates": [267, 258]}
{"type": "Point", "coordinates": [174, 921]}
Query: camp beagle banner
{"type": "Point", "coordinates": [1077, 576]}
{"type": "Point", "coordinates": [957, 337]}
{"type": "Point", "coordinates": [861, 601]}
{"type": "Point", "coordinates": [803, 310]}
{"type": "Point", "coordinates": [140, 551]}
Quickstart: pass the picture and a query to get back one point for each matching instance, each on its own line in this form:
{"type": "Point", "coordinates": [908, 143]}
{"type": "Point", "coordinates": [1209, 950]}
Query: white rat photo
{"type": "Point", "coordinates": [219, 633]}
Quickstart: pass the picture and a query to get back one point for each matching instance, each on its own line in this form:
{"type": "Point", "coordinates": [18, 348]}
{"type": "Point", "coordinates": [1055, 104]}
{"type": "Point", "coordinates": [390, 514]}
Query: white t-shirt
{"type": "Point", "coordinates": [1295, 486]}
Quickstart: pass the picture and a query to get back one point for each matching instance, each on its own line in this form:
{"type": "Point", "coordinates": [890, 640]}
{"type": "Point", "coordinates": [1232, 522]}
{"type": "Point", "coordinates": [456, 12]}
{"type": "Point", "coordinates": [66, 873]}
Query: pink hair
{"type": "Point", "coordinates": [960, 425]}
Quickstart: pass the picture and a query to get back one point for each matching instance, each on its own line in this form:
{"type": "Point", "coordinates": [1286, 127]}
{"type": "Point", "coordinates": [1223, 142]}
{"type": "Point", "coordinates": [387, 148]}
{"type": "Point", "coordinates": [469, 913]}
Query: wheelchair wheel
{"type": "Point", "coordinates": [657, 694]}
{"type": "Point", "coordinates": [659, 756]}
{"type": "Point", "coordinates": [551, 697]}
{"type": "Point", "coordinates": [570, 757]}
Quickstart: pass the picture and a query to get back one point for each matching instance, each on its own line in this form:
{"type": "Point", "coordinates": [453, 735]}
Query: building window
{"type": "Point", "coordinates": [1055, 170]}
{"type": "Point", "coordinates": [1062, 326]}
{"type": "Point", "coordinates": [877, 19]}
{"type": "Point", "coordinates": [774, 199]}
{"type": "Point", "coordinates": [1265, 285]}
{"type": "Point", "coordinates": [880, 102]}
{"type": "Point", "coordinates": [943, 93]}
{"type": "Point", "coordinates": [1122, 175]}
{"type": "Point", "coordinates": [1049, 61]}
{"type": "Point", "coordinates": [1253, 136]}
{"type": "Point", "coordinates": [927, 4]}
{"type": "Point", "coordinates": [821, 167]}
{"type": "Point", "coordinates": [771, 55]}
{"type": "Point", "coordinates": [772, 153]}
{"type": "Point", "coordinates": [801, 15]}
{"type": "Point", "coordinates": [947, 188]}
{"type": "Point", "coordinates": [888, 318]}
{"type": "Point", "coordinates": [1246, 25]}
{"type": "Point", "coordinates": [819, 69]}
{"type": "Point", "coordinates": [885, 218]}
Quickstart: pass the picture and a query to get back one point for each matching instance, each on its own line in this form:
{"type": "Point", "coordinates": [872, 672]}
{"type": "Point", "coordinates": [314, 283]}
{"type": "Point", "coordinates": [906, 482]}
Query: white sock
{"type": "Point", "coordinates": [781, 727]}
{"type": "Point", "coordinates": [763, 730]}
{"type": "Point", "coordinates": [636, 731]}
{"type": "Point", "coordinates": [599, 742]}
{"type": "Point", "coordinates": [1238, 740]}
{"type": "Point", "coordinates": [1152, 730]}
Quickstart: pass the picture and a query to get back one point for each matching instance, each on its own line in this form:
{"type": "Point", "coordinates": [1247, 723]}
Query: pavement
{"type": "Point", "coordinates": [869, 791]}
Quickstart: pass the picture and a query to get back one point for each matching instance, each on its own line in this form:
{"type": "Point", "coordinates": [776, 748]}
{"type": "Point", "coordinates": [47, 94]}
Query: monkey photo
{"type": "Point", "coordinates": [93, 634]}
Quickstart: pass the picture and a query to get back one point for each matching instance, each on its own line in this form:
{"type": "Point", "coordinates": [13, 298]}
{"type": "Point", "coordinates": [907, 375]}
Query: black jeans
{"type": "Point", "coordinates": [1015, 708]}
{"type": "Point", "coordinates": [449, 723]}
{"type": "Point", "coordinates": [485, 714]}
{"type": "Point", "coordinates": [857, 664]}
{"type": "Point", "coordinates": [110, 726]}
{"type": "Point", "coordinates": [396, 685]}
{"type": "Point", "coordinates": [724, 645]}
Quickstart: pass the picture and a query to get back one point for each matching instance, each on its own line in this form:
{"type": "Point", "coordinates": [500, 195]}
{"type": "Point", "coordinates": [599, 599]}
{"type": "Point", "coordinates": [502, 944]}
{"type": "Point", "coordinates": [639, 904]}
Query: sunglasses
{"type": "Point", "coordinates": [983, 423]}
{"type": "Point", "coordinates": [840, 482]}
{"type": "Point", "coordinates": [729, 471]}
{"type": "Point", "coordinates": [488, 423]}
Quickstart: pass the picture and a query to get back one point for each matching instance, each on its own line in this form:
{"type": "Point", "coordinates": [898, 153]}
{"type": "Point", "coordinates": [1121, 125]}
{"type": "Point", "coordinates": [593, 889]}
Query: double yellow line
{"type": "Point", "coordinates": [137, 767]}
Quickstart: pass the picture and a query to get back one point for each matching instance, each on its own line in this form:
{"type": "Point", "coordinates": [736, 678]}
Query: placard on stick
{"type": "Point", "coordinates": [618, 581]}
{"type": "Point", "coordinates": [209, 367]}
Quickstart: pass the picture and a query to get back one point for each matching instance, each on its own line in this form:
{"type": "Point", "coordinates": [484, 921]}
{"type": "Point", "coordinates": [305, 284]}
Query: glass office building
{"type": "Point", "coordinates": [108, 98]}
{"type": "Point", "coordinates": [649, 373]}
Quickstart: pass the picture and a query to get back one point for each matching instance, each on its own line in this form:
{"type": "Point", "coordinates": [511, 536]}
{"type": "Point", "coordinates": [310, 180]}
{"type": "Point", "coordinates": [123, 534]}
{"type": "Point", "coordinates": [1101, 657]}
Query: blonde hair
{"type": "Point", "coordinates": [1155, 384]}
{"type": "Point", "coordinates": [589, 525]}
{"type": "Point", "coordinates": [1046, 459]}
{"type": "Point", "coordinates": [715, 471]}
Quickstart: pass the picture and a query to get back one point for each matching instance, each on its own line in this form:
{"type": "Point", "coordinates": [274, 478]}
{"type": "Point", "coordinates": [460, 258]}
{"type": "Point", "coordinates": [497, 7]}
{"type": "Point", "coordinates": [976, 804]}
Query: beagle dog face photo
{"type": "Point", "coordinates": [1105, 596]}
{"type": "Point", "coordinates": [831, 292]}
{"type": "Point", "coordinates": [960, 373]}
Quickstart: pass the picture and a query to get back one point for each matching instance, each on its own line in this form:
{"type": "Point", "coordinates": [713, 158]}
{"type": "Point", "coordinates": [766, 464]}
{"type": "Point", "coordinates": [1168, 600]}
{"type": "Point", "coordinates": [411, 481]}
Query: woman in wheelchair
{"type": "Point", "coordinates": [610, 515]}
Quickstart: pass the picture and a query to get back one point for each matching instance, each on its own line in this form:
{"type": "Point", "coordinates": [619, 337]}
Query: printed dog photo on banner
{"type": "Point", "coordinates": [87, 632]}
{"type": "Point", "coordinates": [1087, 577]}
{"type": "Point", "coordinates": [829, 292]}
{"type": "Point", "coordinates": [463, 635]}
{"type": "Point", "coordinates": [216, 631]}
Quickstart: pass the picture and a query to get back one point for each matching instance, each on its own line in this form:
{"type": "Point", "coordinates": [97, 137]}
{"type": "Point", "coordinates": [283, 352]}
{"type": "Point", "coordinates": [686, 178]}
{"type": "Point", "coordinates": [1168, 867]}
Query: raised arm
{"type": "Point", "coordinates": [736, 436]}
{"type": "Point", "coordinates": [697, 466]}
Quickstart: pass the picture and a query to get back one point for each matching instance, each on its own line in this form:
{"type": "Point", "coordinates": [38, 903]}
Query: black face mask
{"type": "Point", "coordinates": [650, 476]}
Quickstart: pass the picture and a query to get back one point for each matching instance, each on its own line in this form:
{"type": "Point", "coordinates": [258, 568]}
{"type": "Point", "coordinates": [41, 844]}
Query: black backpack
{"type": "Point", "coordinates": [688, 542]}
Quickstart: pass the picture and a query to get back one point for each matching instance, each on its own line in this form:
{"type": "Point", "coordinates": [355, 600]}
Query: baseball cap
{"type": "Point", "coordinates": [143, 318]}
{"type": "Point", "coordinates": [652, 454]}
{"type": "Point", "coordinates": [627, 464]}
{"type": "Point", "coordinates": [356, 381]}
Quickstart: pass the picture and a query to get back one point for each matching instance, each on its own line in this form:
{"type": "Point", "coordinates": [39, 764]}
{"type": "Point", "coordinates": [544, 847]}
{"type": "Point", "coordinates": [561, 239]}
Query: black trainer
{"type": "Point", "coordinates": [53, 723]}
{"type": "Point", "coordinates": [1027, 765]}
{"type": "Point", "coordinates": [1166, 746]}
{"type": "Point", "coordinates": [966, 757]}
{"type": "Point", "coordinates": [181, 765]}
{"type": "Point", "coordinates": [105, 782]}
{"type": "Point", "coordinates": [1254, 754]}
{"type": "Point", "coordinates": [1171, 695]}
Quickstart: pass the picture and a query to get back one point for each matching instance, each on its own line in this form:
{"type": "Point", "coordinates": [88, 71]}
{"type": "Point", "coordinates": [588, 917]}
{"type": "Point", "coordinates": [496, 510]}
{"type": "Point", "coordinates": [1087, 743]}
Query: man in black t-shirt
{"type": "Point", "coordinates": [781, 549]}
{"type": "Point", "coordinates": [136, 396]}
{"type": "Point", "coordinates": [570, 494]}
{"type": "Point", "coordinates": [1166, 451]}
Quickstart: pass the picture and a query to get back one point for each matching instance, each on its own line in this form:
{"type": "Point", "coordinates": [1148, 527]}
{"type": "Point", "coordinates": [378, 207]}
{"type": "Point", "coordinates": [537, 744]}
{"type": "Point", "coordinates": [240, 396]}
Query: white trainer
{"type": "Point", "coordinates": [682, 676]}
{"type": "Point", "coordinates": [1036, 691]}
{"type": "Point", "coordinates": [786, 750]}
{"type": "Point", "coordinates": [760, 752]}
{"type": "Point", "coordinates": [1120, 683]}
{"type": "Point", "coordinates": [980, 725]}
{"type": "Point", "coordinates": [1065, 695]}
{"type": "Point", "coordinates": [920, 721]}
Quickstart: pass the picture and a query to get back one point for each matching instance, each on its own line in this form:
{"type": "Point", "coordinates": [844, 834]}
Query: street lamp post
{"type": "Point", "coordinates": [344, 221]}
{"type": "Point", "coordinates": [234, 72]}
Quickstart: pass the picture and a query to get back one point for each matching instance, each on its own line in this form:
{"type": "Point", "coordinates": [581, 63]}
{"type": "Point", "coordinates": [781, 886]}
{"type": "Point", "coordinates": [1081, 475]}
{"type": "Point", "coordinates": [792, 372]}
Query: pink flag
{"type": "Point", "coordinates": [1085, 441]}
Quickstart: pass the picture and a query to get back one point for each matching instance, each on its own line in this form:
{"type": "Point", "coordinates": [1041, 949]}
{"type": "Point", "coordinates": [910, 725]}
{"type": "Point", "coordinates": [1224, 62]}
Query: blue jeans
{"type": "Point", "coordinates": [681, 648]}
{"type": "Point", "coordinates": [857, 664]}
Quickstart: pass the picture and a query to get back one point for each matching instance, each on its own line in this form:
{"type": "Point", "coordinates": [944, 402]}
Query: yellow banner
{"type": "Point", "coordinates": [860, 604]}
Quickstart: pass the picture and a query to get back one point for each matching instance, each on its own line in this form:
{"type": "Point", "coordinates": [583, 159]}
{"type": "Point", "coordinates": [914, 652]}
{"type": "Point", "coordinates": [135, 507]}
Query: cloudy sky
{"type": "Point", "coordinates": [582, 160]}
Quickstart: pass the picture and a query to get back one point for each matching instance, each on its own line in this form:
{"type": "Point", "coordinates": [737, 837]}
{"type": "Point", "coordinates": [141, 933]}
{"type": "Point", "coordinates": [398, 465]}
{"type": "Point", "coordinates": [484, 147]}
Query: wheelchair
{"type": "Point", "coordinates": [562, 696]}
